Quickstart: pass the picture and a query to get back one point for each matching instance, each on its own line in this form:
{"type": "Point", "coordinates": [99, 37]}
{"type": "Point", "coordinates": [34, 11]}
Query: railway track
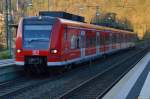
{"type": "Point", "coordinates": [23, 84]}
{"type": "Point", "coordinates": [26, 85]}
{"type": "Point", "coordinates": [97, 86]}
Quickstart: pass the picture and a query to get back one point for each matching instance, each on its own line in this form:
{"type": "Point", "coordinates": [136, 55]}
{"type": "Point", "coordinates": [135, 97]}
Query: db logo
{"type": "Point", "coordinates": [35, 52]}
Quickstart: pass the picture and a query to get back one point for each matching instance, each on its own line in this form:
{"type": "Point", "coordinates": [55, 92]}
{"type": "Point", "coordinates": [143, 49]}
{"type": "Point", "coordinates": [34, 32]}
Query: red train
{"type": "Point", "coordinates": [44, 41]}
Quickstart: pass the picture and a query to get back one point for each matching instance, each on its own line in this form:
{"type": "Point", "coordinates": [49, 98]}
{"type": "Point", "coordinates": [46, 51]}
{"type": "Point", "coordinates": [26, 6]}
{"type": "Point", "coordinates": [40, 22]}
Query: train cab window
{"type": "Point", "coordinates": [36, 36]}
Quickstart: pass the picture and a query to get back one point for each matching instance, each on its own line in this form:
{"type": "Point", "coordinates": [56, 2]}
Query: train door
{"type": "Point", "coordinates": [102, 41]}
{"type": "Point", "coordinates": [66, 43]}
{"type": "Point", "coordinates": [110, 41]}
{"type": "Point", "coordinates": [82, 43]}
{"type": "Point", "coordinates": [106, 44]}
{"type": "Point", "coordinates": [97, 42]}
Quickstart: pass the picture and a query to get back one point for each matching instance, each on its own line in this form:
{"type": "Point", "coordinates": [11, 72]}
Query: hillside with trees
{"type": "Point", "coordinates": [135, 11]}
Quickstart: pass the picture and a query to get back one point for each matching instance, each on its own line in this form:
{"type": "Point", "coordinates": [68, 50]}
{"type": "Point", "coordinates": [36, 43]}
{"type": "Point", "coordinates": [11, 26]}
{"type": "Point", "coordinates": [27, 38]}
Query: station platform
{"type": "Point", "coordinates": [8, 70]}
{"type": "Point", "coordinates": [135, 84]}
{"type": "Point", "coordinates": [7, 62]}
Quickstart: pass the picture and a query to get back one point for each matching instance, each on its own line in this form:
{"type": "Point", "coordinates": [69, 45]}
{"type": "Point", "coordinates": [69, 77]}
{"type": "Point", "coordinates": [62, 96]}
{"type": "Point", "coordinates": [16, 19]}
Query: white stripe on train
{"type": "Point", "coordinates": [81, 59]}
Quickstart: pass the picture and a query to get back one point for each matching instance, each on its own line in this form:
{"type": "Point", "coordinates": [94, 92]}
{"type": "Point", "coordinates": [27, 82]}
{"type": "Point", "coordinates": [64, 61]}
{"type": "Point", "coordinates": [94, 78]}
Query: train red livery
{"type": "Point", "coordinates": [44, 41]}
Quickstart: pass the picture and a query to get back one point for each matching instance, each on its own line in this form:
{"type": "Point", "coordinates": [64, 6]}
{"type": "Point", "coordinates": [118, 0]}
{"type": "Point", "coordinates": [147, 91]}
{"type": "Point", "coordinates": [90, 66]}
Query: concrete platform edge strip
{"type": "Point", "coordinates": [145, 92]}
{"type": "Point", "coordinates": [123, 87]}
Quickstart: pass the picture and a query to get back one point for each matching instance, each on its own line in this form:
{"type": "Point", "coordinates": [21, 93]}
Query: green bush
{"type": "Point", "coordinates": [4, 55]}
{"type": "Point", "coordinates": [1, 46]}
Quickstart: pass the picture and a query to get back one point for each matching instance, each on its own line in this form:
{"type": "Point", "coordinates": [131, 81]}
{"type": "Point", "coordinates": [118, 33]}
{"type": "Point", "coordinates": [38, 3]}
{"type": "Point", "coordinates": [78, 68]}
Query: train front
{"type": "Point", "coordinates": [33, 41]}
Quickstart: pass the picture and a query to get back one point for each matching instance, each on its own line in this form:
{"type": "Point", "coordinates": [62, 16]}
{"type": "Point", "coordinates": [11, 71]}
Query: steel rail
{"type": "Point", "coordinates": [19, 89]}
{"type": "Point", "coordinates": [117, 80]}
{"type": "Point", "coordinates": [71, 91]}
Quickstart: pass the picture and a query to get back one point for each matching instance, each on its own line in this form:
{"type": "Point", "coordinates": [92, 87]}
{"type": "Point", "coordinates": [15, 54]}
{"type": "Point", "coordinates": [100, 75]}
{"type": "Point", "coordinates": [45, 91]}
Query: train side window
{"type": "Point", "coordinates": [87, 41]}
{"type": "Point", "coordinates": [73, 41]}
{"type": "Point", "coordinates": [117, 38]}
{"type": "Point", "coordinates": [127, 38]}
{"type": "Point", "coordinates": [101, 39]}
{"type": "Point", "coordinates": [118, 35]}
{"type": "Point", "coordinates": [94, 41]}
{"type": "Point", "coordinates": [65, 35]}
{"type": "Point", "coordinates": [65, 38]}
{"type": "Point", "coordinates": [91, 42]}
{"type": "Point", "coordinates": [82, 39]}
{"type": "Point", "coordinates": [97, 39]}
{"type": "Point", "coordinates": [113, 38]}
{"type": "Point", "coordinates": [110, 37]}
{"type": "Point", "coordinates": [78, 44]}
{"type": "Point", "coordinates": [124, 38]}
{"type": "Point", "coordinates": [121, 37]}
{"type": "Point", "coordinates": [107, 39]}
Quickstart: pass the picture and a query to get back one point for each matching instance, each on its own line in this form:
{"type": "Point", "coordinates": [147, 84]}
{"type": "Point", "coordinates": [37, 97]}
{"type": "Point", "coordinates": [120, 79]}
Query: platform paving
{"type": "Point", "coordinates": [7, 62]}
{"type": "Point", "coordinates": [135, 84]}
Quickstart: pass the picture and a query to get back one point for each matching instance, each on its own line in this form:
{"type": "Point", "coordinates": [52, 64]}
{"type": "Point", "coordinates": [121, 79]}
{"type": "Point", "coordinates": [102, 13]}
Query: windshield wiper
{"type": "Point", "coordinates": [37, 39]}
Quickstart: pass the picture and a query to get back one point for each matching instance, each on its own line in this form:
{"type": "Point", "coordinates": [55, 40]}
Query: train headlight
{"type": "Point", "coordinates": [18, 50]}
{"type": "Point", "coordinates": [54, 51]}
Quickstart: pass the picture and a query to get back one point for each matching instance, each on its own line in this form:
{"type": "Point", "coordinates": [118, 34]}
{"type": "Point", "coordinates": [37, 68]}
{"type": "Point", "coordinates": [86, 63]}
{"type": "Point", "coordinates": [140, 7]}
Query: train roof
{"type": "Point", "coordinates": [37, 17]}
{"type": "Point", "coordinates": [87, 25]}
{"type": "Point", "coordinates": [78, 24]}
